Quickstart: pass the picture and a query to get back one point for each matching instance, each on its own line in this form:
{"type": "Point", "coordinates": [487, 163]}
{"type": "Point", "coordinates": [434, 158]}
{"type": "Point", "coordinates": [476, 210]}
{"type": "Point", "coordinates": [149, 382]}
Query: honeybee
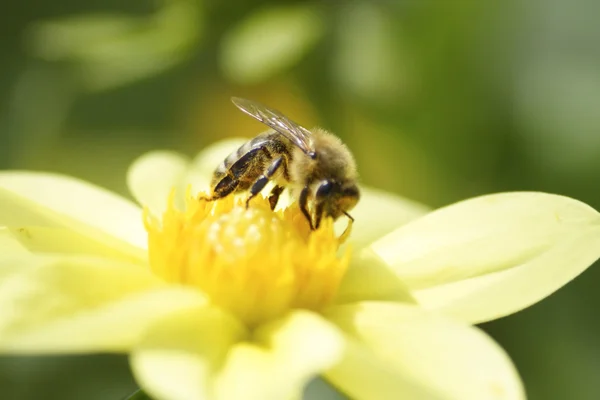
{"type": "Point", "coordinates": [314, 165]}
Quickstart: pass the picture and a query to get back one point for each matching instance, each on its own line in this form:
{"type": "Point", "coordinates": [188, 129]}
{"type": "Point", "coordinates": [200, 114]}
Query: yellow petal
{"type": "Point", "coordinates": [369, 278]}
{"type": "Point", "coordinates": [181, 352]}
{"type": "Point", "coordinates": [379, 213]}
{"type": "Point", "coordinates": [205, 163]}
{"type": "Point", "coordinates": [153, 175]}
{"type": "Point", "coordinates": [44, 200]}
{"type": "Point", "coordinates": [285, 356]}
{"type": "Point", "coordinates": [400, 352]}
{"type": "Point", "coordinates": [498, 294]}
{"type": "Point", "coordinates": [82, 304]}
{"type": "Point", "coordinates": [9, 245]}
{"type": "Point", "coordinates": [44, 239]}
{"type": "Point", "coordinates": [491, 256]}
{"type": "Point", "coordinates": [13, 255]}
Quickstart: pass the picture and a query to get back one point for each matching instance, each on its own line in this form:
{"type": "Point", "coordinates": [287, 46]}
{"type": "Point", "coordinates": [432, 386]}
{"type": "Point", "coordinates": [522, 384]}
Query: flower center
{"type": "Point", "coordinates": [254, 262]}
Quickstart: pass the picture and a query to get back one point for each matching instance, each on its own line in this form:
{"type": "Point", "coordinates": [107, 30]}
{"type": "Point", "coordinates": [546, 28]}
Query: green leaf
{"type": "Point", "coordinates": [269, 41]}
{"type": "Point", "coordinates": [114, 49]}
{"type": "Point", "coordinates": [368, 62]}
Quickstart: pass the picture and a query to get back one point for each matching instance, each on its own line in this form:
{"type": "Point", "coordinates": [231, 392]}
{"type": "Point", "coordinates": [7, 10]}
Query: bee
{"type": "Point", "coordinates": [314, 165]}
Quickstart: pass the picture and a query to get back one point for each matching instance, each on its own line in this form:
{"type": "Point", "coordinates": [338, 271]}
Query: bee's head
{"type": "Point", "coordinates": [336, 198]}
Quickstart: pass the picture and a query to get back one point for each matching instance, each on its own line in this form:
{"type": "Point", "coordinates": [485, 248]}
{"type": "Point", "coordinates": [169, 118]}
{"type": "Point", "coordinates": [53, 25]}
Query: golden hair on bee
{"type": "Point", "coordinates": [334, 160]}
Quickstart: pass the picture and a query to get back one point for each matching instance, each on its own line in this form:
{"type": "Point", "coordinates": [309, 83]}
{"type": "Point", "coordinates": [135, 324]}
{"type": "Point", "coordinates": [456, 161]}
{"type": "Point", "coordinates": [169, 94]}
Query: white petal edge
{"type": "Point", "coordinates": [491, 256]}
{"type": "Point", "coordinates": [53, 200]}
{"type": "Point", "coordinates": [397, 351]}
{"type": "Point", "coordinates": [284, 357]}
{"type": "Point", "coordinates": [153, 176]}
{"type": "Point", "coordinates": [81, 304]}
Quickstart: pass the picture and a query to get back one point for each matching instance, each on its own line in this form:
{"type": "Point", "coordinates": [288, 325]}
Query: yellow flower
{"type": "Point", "coordinates": [213, 301]}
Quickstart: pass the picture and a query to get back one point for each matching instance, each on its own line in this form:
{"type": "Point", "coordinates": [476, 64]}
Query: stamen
{"type": "Point", "coordinates": [254, 262]}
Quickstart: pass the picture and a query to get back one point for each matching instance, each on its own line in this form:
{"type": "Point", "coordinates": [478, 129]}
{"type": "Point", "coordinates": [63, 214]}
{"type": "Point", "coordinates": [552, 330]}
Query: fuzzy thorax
{"type": "Point", "coordinates": [334, 160]}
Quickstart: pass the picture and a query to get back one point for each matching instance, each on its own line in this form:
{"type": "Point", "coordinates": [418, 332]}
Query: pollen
{"type": "Point", "coordinates": [254, 262]}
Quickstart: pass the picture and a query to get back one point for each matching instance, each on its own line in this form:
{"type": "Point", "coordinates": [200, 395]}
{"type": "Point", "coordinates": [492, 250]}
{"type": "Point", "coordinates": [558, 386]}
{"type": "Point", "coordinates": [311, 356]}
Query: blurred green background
{"type": "Point", "coordinates": [440, 100]}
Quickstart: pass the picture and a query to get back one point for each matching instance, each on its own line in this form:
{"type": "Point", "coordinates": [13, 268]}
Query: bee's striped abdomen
{"type": "Point", "coordinates": [237, 163]}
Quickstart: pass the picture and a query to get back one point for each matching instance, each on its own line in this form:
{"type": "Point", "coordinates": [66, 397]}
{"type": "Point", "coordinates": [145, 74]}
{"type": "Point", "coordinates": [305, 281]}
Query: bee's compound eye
{"type": "Point", "coordinates": [324, 189]}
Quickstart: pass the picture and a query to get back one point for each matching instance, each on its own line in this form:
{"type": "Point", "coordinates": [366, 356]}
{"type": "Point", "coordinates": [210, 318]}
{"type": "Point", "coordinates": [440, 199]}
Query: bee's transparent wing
{"type": "Point", "coordinates": [297, 134]}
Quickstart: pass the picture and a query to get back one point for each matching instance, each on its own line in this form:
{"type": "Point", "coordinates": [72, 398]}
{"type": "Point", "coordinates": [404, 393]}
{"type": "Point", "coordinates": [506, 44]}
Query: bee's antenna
{"type": "Point", "coordinates": [349, 216]}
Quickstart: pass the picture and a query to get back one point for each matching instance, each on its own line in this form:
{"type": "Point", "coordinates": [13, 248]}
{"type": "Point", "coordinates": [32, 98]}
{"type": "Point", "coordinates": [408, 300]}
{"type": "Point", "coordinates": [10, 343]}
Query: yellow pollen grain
{"type": "Point", "coordinates": [254, 262]}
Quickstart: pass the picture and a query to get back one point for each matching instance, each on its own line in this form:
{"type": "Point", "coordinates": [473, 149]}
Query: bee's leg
{"type": "Point", "coordinates": [274, 196]}
{"type": "Point", "coordinates": [303, 201]}
{"type": "Point", "coordinates": [318, 214]}
{"type": "Point", "coordinates": [262, 180]}
{"type": "Point", "coordinates": [229, 183]}
{"type": "Point", "coordinates": [225, 186]}
{"type": "Point", "coordinates": [222, 189]}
